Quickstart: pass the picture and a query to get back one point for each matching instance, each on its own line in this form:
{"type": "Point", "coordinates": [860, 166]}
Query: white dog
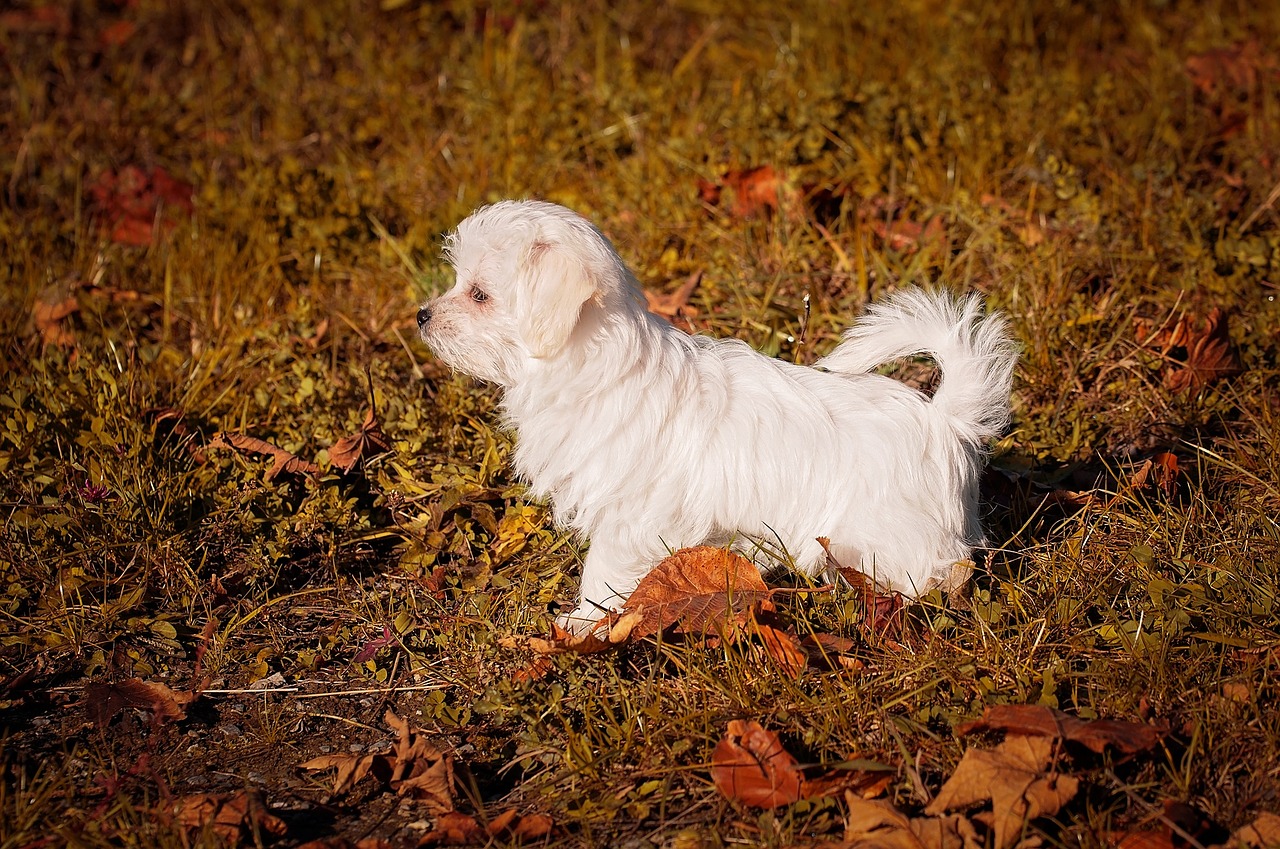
{"type": "Point", "coordinates": [646, 439]}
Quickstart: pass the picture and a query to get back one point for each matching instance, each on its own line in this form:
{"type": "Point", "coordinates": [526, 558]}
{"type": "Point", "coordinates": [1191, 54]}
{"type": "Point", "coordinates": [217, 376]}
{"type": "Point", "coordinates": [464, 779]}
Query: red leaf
{"type": "Point", "coordinates": [1040, 721]}
{"type": "Point", "coordinates": [750, 766]}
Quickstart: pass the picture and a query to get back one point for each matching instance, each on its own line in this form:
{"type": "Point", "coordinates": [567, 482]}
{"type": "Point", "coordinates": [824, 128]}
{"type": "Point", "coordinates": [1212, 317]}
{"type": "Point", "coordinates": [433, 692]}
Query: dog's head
{"type": "Point", "coordinates": [526, 272]}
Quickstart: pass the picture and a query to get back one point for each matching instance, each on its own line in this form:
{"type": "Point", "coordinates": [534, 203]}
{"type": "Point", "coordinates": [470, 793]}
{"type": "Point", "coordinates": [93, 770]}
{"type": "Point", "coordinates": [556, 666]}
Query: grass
{"type": "Point", "coordinates": [1086, 168]}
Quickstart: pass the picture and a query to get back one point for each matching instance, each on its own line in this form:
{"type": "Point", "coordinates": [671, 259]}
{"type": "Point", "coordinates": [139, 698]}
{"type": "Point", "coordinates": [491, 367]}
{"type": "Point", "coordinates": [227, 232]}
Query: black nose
{"type": "Point", "coordinates": [424, 315]}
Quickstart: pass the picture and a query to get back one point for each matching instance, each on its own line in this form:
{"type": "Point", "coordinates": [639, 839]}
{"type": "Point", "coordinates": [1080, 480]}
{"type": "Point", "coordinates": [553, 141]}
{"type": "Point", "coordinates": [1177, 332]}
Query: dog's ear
{"type": "Point", "coordinates": [557, 284]}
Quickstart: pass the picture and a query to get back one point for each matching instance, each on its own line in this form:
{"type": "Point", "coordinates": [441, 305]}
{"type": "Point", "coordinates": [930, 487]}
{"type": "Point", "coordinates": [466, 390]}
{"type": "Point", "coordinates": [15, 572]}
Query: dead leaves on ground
{"type": "Point", "coordinates": [419, 770]}
{"type": "Point", "coordinates": [282, 462]}
{"type": "Point", "coordinates": [1196, 353]}
{"type": "Point", "coordinates": [416, 768]}
{"type": "Point", "coordinates": [369, 441]}
{"type": "Point", "coordinates": [104, 701]}
{"type": "Point", "coordinates": [347, 454]}
{"type": "Point", "coordinates": [703, 593]}
{"type": "Point", "coordinates": [751, 767]}
{"type": "Point", "coordinates": [764, 190]}
{"type": "Point", "coordinates": [1021, 779]}
{"type": "Point", "coordinates": [1097, 735]}
{"type": "Point", "coordinates": [137, 206]}
{"type": "Point", "coordinates": [230, 816]}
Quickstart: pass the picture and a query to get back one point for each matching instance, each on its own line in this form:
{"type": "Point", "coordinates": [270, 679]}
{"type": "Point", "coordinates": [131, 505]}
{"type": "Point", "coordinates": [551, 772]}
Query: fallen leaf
{"type": "Point", "coordinates": [750, 766]}
{"type": "Point", "coordinates": [511, 825]}
{"type": "Point", "coordinates": [753, 191]}
{"type": "Point", "coordinates": [561, 642]}
{"type": "Point", "coordinates": [1014, 778]}
{"type": "Point", "coordinates": [535, 670]}
{"type": "Point", "coordinates": [532, 827]}
{"type": "Point", "coordinates": [421, 771]}
{"type": "Point", "coordinates": [701, 589]}
{"type": "Point", "coordinates": [828, 651]}
{"type": "Point", "coordinates": [351, 769]}
{"type": "Point", "coordinates": [283, 462]}
{"type": "Point", "coordinates": [675, 305]}
{"type": "Point", "coordinates": [1229, 69]}
{"type": "Point", "coordinates": [48, 318]}
{"type": "Point", "coordinates": [231, 817]}
{"type": "Point", "coordinates": [1262, 832]}
{"type": "Point", "coordinates": [783, 647]}
{"type": "Point", "coordinates": [1040, 721]}
{"type": "Point", "coordinates": [104, 701]}
{"type": "Point", "coordinates": [879, 825]}
{"type": "Point", "coordinates": [907, 236]}
{"type": "Point", "coordinates": [883, 619]}
{"type": "Point", "coordinates": [369, 441]}
{"type": "Point", "coordinates": [454, 829]}
{"type": "Point", "coordinates": [1197, 353]}
{"type": "Point", "coordinates": [344, 843]}
{"type": "Point", "coordinates": [116, 34]}
{"type": "Point", "coordinates": [865, 783]}
{"type": "Point", "coordinates": [136, 205]}
{"type": "Point", "coordinates": [1141, 840]}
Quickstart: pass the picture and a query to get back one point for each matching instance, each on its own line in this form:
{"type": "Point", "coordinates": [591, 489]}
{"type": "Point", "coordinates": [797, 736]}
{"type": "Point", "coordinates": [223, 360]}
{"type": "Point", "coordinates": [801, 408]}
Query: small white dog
{"type": "Point", "coordinates": [646, 439]}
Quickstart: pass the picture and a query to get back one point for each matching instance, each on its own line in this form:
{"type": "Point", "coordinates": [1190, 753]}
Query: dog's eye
{"type": "Point", "coordinates": [478, 295]}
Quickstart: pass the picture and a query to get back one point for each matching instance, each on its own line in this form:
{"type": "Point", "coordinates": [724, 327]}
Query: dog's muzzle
{"type": "Point", "coordinates": [424, 315]}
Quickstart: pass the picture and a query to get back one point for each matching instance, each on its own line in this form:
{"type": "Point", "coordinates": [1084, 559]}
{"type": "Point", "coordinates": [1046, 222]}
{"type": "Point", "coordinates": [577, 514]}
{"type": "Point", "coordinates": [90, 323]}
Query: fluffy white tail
{"type": "Point", "coordinates": [973, 350]}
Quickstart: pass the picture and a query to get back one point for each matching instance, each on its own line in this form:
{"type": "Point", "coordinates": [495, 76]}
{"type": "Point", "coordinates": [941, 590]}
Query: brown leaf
{"type": "Point", "coordinates": [702, 589]}
{"type": "Point", "coordinates": [454, 829]}
{"type": "Point", "coordinates": [1142, 840]}
{"type": "Point", "coordinates": [753, 191]}
{"type": "Point", "coordinates": [117, 33]}
{"type": "Point", "coordinates": [880, 825]}
{"type": "Point", "coordinates": [828, 651]}
{"type": "Point", "coordinates": [1014, 778]}
{"type": "Point", "coordinates": [561, 642]}
{"type": "Point", "coordinates": [48, 318]}
{"type": "Point", "coordinates": [136, 206]}
{"type": "Point", "coordinates": [783, 647]}
{"type": "Point", "coordinates": [867, 784]}
{"type": "Point", "coordinates": [421, 771]}
{"type": "Point", "coordinates": [229, 816]}
{"type": "Point", "coordinates": [351, 769]}
{"type": "Point", "coordinates": [282, 461]}
{"type": "Point", "coordinates": [511, 825]}
{"type": "Point", "coordinates": [750, 766]}
{"type": "Point", "coordinates": [908, 236]}
{"type": "Point", "coordinates": [1230, 69]}
{"type": "Point", "coordinates": [104, 701]}
{"type": "Point", "coordinates": [532, 827]}
{"type": "Point", "coordinates": [1038, 720]}
{"type": "Point", "coordinates": [1263, 831]}
{"type": "Point", "coordinates": [535, 670]}
{"type": "Point", "coordinates": [369, 441]}
{"type": "Point", "coordinates": [675, 305]}
{"type": "Point", "coordinates": [1197, 353]}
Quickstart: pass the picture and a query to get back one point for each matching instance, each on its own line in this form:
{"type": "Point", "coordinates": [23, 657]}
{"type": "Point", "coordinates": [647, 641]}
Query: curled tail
{"type": "Point", "coordinates": [973, 350]}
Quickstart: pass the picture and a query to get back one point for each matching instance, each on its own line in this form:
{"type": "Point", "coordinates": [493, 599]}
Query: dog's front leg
{"type": "Point", "coordinates": [609, 574]}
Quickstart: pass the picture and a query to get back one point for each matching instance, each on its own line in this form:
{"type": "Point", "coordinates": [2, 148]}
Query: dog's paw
{"type": "Point", "coordinates": [580, 620]}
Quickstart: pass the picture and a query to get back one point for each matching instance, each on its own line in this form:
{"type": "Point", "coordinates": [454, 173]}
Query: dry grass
{"type": "Point", "coordinates": [1080, 172]}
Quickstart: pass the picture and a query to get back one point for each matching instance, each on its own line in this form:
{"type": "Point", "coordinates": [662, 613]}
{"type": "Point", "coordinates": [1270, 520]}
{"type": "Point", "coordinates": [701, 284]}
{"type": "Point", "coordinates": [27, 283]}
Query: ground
{"type": "Point", "coordinates": [218, 219]}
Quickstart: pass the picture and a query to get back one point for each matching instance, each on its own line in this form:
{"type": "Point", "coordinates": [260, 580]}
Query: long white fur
{"type": "Point", "coordinates": [645, 439]}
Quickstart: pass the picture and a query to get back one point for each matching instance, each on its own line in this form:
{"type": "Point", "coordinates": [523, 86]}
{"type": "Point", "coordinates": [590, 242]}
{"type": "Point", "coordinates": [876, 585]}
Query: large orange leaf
{"type": "Point", "coordinates": [699, 589]}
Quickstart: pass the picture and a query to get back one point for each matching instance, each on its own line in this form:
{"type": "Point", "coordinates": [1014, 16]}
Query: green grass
{"type": "Point", "coordinates": [1083, 175]}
